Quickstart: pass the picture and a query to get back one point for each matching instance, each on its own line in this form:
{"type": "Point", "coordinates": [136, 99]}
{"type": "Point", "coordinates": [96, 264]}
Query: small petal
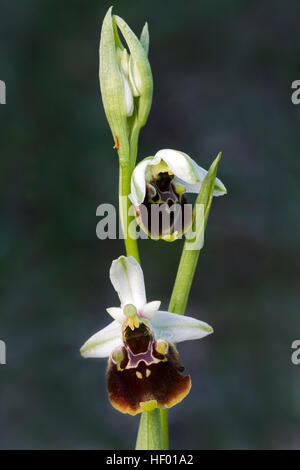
{"type": "Point", "coordinates": [134, 77]}
{"type": "Point", "coordinates": [127, 278]}
{"type": "Point", "coordinates": [117, 314]}
{"type": "Point", "coordinates": [102, 344]}
{"type": "Point", "coordinates": [149, 310]}
{"type": "Point", "coordinates": [177, 328]}
{"type": "Point", "coordinates": [127, 95]}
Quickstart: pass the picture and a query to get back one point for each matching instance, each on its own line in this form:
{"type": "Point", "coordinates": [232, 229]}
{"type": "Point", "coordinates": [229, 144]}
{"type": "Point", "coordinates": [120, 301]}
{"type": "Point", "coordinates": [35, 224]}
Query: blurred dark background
{"type": "Point", "coordinates": [222, 73]}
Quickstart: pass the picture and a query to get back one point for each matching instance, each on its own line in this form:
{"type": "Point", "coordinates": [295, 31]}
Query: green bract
{"type": "Point", "coordinates": [112, 83]}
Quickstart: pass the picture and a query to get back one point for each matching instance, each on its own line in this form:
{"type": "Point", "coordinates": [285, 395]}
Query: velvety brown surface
{"type": "Point", "coordinates": [165, 384]}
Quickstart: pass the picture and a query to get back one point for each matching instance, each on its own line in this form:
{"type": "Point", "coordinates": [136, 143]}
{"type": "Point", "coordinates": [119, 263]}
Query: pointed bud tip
{"type": "Point", "coordinates": [145, 29]}
{"type": "Point", "coordinates": [109, 12]}
{"type": "Point", "coordinates": [220, 186]}
{"type": "Point", "coordinates": [218, 157]}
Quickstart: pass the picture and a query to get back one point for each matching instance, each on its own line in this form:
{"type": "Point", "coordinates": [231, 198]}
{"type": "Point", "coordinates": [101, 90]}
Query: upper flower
{"type": "Point", "coordinates": [144, 369]}
{"type": "Point", "coordinates": [163, 180]}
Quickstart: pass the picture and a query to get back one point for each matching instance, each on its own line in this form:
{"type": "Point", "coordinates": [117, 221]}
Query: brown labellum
{"type": "Point", "coordinates": [147, 375]}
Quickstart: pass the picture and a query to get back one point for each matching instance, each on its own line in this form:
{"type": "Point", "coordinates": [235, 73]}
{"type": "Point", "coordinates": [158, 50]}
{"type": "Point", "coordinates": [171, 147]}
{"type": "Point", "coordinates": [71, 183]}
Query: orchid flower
{"type": "Point", "coordinates": [143, 371]}
{"type": "Point", "coordinates": [161, 182]}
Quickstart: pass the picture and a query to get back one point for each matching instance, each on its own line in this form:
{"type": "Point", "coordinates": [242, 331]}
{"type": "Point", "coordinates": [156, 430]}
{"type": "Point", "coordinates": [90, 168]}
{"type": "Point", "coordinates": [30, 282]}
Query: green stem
{"type": "Point", "coordinates": [149, 434]}
{"type": "Point", "coordinates": [164, 428]}
{"type": "Point", "coordinates": [187, 266]}
{"type": "Point", "coordinates": [126, 220]}
{"type": "Point", "coordinates": [183, 281]}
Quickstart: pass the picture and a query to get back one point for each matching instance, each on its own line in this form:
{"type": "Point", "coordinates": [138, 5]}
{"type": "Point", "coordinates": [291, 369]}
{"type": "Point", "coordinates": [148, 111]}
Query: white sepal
{"type": "Point", "coordinates": [101, 344]}
{"type": "Point", "coordinates": [176, 328]}
{"type": "Point", "coordinates": [219, 189]}
{"type": "Point", "coordinates": [127, 278]}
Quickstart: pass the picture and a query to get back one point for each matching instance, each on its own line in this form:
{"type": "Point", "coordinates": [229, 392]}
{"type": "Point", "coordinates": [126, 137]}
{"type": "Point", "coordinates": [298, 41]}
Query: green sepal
{"type": "Point", "coordinates": [111, 85]}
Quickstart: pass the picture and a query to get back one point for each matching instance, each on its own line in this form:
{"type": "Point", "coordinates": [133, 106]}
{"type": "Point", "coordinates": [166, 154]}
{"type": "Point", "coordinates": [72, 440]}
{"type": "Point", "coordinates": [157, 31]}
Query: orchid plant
{"type": "Point", "coordinates": [144, 374]}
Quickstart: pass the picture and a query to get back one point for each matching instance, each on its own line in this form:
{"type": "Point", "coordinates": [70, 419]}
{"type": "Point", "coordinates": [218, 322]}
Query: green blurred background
{"type": "Point", "coordinates": [222, 74]}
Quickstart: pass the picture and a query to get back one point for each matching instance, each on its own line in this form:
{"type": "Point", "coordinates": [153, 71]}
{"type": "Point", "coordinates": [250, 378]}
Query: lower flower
{"type": "Point", "coordinates": [143, 371]}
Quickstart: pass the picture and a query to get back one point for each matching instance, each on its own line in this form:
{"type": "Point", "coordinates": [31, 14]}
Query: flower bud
{"type": "Point", "coordinates": [125, 81]}
{"type": "Point", "coordinates": [115, 89]}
